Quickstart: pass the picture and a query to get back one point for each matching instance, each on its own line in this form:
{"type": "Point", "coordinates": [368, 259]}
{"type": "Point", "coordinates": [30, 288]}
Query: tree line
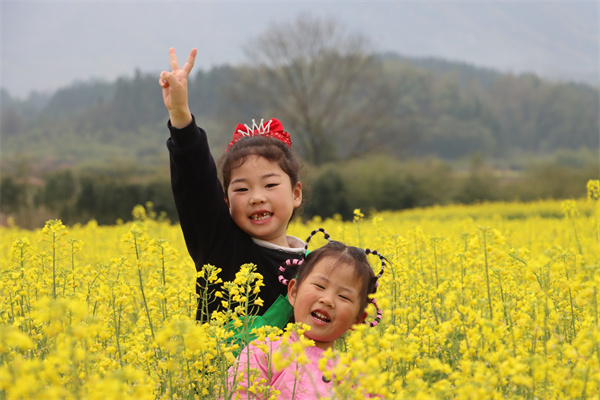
{"type": "Point", "coordinates": [76, 197]}
{"type": "Point", "coordinates": [371, 183]}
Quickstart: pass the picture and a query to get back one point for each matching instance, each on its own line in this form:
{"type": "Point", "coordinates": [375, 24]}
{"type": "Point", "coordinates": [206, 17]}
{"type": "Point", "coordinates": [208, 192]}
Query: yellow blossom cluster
{"type": "Point", "coordinates": [489, 301]}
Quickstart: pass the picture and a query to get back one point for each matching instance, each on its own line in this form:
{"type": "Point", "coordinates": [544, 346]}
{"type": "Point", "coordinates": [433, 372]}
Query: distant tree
{"type": "Point", "coordinates": [205, 89]}
{"type": "Point", "coordinates": [86, 203]}
{"type": "Point", "coordinates": [328, 194]}
{"type": "Point", "coordinates": [58, 194]}
{"type": "Point", "coordinates": [59, 189]}
{"type": "Point", "coordinates": [13, 195]}
{"type": "Point", "coordinates": [136, 102]}
{"type": "Point", "coordinates": [11, 123]}
{"type": "Point", "coordinates": [322, 82]}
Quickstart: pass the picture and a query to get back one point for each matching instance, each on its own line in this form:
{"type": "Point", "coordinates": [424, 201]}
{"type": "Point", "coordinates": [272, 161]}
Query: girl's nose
{"type": "Point", "coordinates": [326, 301]}
{"type": "Point", "coordinates": [257, 199]}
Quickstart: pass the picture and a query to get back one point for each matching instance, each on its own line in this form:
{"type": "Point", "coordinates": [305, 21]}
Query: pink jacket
{"type": "Point", "coordinates": [308, 386]}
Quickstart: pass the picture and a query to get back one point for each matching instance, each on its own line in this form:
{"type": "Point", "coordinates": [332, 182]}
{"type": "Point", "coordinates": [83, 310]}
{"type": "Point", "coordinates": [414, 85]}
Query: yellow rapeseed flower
{"type": "Point", "coordinates": [593, 189]}
{"type": "Point", "coordinates": [74, 322]}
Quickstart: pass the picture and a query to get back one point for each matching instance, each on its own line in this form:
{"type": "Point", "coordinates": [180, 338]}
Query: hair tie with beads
{"type": "Point", "coordinates": [295, 263]}
{"type": "Point", "coordinates": [289, 263]}
{"type": "Point", "coordinates": [313, 233]}
{"type": "Point", "coordinates": [383, 261]}
{"type": "Point", "coordinates": [373, 301]}
{"type": "Point", "coordinates": [377, 318]}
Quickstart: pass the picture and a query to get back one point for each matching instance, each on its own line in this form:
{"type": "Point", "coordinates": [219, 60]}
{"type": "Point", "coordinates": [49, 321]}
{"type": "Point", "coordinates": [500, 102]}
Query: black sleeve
{"type": "Point", "coordinates": [209, 231]}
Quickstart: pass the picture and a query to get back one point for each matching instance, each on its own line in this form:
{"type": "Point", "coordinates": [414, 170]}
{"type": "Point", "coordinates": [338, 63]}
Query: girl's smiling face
{"type": "Point", "coordinates": [328, 300]}
{"type": "Point", "coordinates": [261, 199]}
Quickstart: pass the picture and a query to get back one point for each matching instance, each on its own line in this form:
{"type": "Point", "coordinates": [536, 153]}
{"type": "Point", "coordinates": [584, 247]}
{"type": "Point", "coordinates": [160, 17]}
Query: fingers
{"type": "Point", "coordinates": [167, 78]}
{"type": "Point", "coordinates": [170, 80]}
{"type": "Point", "coordinates": [163, 81]}
{"type": "Point", "coordinates": [190, 61]}
{"type": "Point", "coordinates": [173, 60]}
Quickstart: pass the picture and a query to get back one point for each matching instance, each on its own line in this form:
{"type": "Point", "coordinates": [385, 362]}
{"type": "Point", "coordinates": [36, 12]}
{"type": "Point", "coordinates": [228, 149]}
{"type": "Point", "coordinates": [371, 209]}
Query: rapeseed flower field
{"type": "Point", "coordinates": [489, 301]}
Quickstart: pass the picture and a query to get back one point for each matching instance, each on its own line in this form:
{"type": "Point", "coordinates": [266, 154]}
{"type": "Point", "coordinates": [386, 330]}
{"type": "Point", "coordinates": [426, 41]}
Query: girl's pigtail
{"type": "Point", "coordinates": [383, 261]}
{"type": "Point", "coordinates": [377, 318]}
{"type": "Point", "coordinates": [313, 233]}
{"type": "Point", "coordinates": [289, 270]}
{"type": "Point", "coordinates": [375, 285]}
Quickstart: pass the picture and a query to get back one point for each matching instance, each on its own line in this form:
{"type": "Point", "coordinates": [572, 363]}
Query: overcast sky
{"type": "Point", "coordinates": [47, 45]}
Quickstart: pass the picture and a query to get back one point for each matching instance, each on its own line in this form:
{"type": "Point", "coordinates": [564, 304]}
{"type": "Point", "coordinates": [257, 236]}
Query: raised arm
{"type": "Point", "coordinates": [174, 85]}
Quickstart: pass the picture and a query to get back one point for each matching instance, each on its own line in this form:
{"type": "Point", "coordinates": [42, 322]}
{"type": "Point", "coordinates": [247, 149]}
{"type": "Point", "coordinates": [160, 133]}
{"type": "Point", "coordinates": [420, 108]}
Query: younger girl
{"type": "Point", "coordinates": [245, 219]}
{"type": "Point", "coordinates": [329, 293]}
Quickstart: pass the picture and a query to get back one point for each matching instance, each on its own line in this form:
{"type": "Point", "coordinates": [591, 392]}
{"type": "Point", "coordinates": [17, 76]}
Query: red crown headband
{"type": "Point", "coordinates": [272, 128]}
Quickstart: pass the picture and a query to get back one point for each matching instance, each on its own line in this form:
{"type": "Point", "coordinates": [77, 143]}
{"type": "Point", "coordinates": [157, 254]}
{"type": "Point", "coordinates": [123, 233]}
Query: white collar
{"type": "Point", "coordinates": [292, 241]}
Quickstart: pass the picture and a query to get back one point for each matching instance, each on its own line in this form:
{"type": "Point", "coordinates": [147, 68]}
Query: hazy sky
{"type": "Point", "coordinates": [47, 45]}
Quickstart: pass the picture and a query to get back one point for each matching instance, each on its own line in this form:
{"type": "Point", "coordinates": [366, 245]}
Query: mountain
{"type": "Point", "coordinates": [445, 109]}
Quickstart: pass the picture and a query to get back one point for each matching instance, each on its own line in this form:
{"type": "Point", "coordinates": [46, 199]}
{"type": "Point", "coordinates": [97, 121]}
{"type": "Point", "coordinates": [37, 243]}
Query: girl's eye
{"type": "Point", "coordinates": [344, 298]}
{"type": "Point", "coordinates": [240, 190]}
{"type": "Point", "coordinates": [271, 185]}
{"type": "Point", "coordinates": [319, 286]}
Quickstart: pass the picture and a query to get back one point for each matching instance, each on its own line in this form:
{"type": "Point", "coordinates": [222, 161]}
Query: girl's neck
{"type": "Point", "coordinates": [292, 244]}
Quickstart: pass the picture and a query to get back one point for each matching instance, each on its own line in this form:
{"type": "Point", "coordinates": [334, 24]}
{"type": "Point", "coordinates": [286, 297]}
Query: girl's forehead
{"type": "Point", "coordinates": [256, 166]}
{"type": "Point", "coordinates": [331, 266]}
{"type": "Point", "coordinates": [254, 161]}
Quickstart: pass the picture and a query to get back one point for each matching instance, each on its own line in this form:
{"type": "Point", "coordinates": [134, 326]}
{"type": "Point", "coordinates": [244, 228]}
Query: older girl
{"type": "Point", "coordinates": [244, 219]}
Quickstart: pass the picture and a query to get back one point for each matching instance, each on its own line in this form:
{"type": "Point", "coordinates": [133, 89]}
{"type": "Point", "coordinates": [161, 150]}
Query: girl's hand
{"type": "Point", "coordinates": [174, 87]}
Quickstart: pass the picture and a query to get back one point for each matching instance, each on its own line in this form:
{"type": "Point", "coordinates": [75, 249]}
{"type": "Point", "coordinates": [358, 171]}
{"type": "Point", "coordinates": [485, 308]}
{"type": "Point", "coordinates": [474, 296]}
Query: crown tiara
{"type": "Point", "coordinates": [272, 128]}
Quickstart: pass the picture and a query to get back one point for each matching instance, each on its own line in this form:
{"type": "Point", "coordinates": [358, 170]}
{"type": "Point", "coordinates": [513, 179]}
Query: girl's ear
{"type": "Point", "coordinates": [292, 291]}
{"type": "Point", "coordinates": [297, 193]}
{"type": "Point", "coordinates": [360, 318]}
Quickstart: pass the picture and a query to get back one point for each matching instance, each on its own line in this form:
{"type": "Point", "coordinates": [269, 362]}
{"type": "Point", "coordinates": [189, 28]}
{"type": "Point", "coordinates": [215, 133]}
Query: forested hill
{"type": "Point", "coordinates": [441, 109]}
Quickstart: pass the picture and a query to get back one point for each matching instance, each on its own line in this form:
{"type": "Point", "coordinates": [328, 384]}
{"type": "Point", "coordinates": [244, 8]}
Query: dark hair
{"type": "Point", "coordinates": [342, 254]}
{"type": "Point", "coordinates": [267, 147]}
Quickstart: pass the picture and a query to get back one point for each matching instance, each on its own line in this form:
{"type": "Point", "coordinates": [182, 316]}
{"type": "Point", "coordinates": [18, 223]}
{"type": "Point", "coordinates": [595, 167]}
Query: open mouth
{"type": "Point", "coordinates": [261, 216]}
{"type": "Point", "coordinates": [320, 317]}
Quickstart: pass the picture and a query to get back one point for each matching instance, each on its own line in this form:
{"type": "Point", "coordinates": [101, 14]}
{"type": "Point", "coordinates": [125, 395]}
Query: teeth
{"type": "Point", "coordinates": [320, 316]}
{"type": "Point", "coordinates": [260, 217]}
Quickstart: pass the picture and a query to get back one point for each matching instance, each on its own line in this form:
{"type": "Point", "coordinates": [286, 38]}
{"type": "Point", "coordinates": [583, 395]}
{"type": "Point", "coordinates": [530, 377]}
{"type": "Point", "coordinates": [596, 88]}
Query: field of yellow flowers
{"type": "Point", "coordinates": [490, 301]}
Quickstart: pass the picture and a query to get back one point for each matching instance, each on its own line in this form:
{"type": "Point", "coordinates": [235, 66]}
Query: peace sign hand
{"type": "Point", "coordinates": [175, 93]}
